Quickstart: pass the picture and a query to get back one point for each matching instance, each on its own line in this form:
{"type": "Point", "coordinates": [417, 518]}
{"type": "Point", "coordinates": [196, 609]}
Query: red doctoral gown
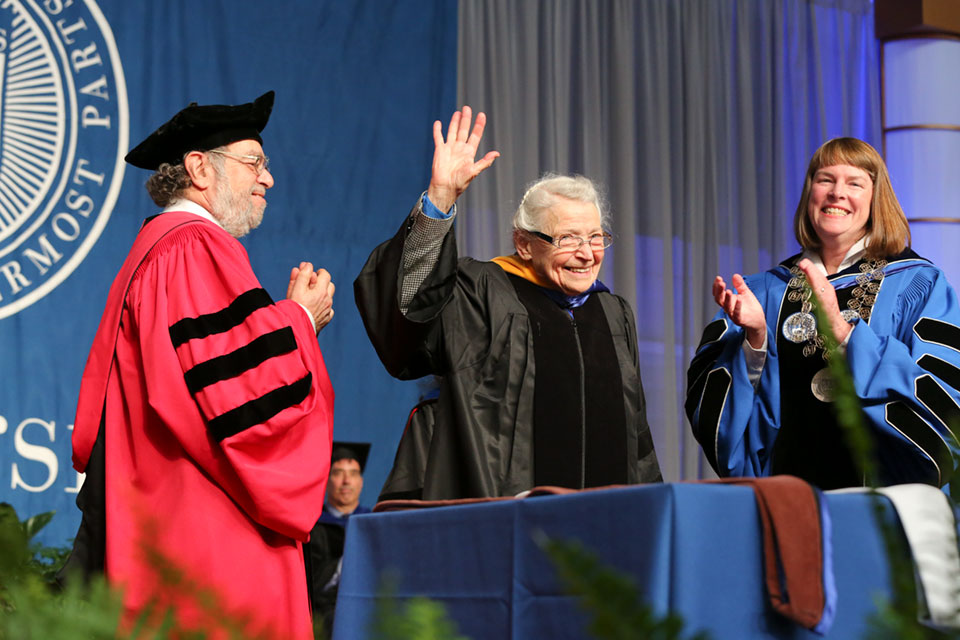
{"type": "Point", "coordinates": [218, 421]}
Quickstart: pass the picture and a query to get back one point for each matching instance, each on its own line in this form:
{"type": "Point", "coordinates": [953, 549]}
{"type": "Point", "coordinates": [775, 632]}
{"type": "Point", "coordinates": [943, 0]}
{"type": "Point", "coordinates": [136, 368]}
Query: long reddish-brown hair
{"type": "Point", "coordinates": [887, 230]}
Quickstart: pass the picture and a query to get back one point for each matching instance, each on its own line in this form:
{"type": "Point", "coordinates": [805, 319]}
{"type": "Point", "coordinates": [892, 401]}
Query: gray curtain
{"type": "Point", "coordinates": [698, 117]}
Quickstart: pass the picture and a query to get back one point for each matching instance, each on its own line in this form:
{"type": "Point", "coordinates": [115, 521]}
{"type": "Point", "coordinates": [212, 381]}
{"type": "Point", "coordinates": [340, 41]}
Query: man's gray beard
{"type": "Point", "coordinates": [234, 210]}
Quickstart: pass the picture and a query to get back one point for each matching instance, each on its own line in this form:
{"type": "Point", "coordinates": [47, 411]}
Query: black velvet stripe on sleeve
{"type": "Point", "coordinates": [260, 410]}
{"type": "Point", "coordinates": [938, 332]}
{"type": "Point", "coordinates": [219, 321]}
{"type": "Point", "coordinates": [705, 358]}
{"type": "Point", "coordinates": [712, 332]}
{"type": "Point", "coordinates": [711, 408]}
{"type": "Point", "coordinates": [938, 401]}
{"type": "Point", "coordinates": [231, 365]}
{"type": "Point", "coordinates": [944, 370]}
{"type": "Point", "coordinates": [907, 422]}
{"type": "Point", "coordinates": [697, 376]}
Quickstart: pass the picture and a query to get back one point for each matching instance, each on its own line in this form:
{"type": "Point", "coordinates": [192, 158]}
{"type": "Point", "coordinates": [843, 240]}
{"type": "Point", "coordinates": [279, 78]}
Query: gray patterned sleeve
{"type": "Point", "coordinates": [420, 252]}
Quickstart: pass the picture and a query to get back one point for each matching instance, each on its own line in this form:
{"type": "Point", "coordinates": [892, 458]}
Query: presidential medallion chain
{"type": "Point", "coordinates": [801, 327]}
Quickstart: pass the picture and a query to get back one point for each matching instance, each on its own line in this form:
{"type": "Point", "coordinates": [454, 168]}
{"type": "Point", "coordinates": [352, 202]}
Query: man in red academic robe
{"type": "Point", "coordinates": [205, 416]}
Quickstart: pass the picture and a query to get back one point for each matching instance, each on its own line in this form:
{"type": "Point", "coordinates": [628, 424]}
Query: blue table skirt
{"type": "Point", "coordinates": [693, 549]}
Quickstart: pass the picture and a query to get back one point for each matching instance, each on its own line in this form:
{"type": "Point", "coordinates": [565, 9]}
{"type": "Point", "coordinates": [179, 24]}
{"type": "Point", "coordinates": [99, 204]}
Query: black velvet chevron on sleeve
{"type": "Point", "coordinates": [219, 321]}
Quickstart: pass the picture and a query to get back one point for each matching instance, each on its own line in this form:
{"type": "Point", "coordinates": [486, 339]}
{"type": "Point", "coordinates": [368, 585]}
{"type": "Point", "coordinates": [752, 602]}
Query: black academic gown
{"type": "Point", "coordinates": [468, 324]}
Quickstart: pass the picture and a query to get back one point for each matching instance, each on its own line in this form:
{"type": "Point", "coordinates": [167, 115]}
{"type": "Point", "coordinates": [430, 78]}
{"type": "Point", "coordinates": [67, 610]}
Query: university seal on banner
{"type": "Point", "coordinates": [63, 134]}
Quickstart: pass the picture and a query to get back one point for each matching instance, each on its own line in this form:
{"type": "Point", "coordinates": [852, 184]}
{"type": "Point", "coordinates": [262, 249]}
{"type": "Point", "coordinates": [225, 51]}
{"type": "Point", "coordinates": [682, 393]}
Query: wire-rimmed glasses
{"type": "Point", "coordinates": [596, 241]}
{"type": "Point", "coordinates": [259, 163]}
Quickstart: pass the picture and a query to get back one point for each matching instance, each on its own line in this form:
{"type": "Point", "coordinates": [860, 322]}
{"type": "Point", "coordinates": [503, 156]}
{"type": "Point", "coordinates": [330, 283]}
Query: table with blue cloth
{"type": "Point", "coordinates": [692, 549]}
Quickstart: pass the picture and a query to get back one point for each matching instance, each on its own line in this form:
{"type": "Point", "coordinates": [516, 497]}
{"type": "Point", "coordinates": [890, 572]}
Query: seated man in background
{"type": "Point", "coordinates": [345, 482]}
{"type": "Point", "coordinates": [324, 552]}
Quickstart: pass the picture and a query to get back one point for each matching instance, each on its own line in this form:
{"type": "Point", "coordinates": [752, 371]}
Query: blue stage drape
{"type": "Point", "coordinates": [358, 86]}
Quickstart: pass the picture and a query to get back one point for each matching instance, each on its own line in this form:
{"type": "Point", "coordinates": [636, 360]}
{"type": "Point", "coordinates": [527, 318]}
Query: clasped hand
{"type": "Point", "coordinates": [314, 290]}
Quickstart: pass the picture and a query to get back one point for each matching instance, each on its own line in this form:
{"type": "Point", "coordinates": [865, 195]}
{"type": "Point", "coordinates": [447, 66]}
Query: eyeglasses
{"type": "Point", "coordinates": [573, 243]}
{"type": "Point", "coordinates": [257, 162]}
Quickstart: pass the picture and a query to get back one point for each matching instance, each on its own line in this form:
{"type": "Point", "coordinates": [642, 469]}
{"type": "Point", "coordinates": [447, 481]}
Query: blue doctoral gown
{"type": "Point", "coordinates": [905, 362]}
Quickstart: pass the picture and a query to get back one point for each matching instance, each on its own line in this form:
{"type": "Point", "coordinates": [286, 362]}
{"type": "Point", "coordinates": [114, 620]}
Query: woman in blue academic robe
{"type": "Point", "coordinates": [759, 395]}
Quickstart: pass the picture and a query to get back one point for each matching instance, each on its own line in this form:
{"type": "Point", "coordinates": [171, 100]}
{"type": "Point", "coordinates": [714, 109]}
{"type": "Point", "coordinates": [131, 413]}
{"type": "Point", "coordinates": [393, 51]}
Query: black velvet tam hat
{"type": "Point", "coordinates": [201, 128]}
{"type": "Point", "coordinates": [351, 451]}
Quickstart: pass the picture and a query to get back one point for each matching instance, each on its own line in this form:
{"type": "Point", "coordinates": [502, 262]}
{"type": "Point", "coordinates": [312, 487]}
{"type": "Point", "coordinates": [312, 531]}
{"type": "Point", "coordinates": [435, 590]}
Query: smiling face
{"type": "Point", "coordinates": [240, 193]}
{"type": "Point", "coordinates": [572, 272]}
{"type": "Point", "coordinates": [839, 205]}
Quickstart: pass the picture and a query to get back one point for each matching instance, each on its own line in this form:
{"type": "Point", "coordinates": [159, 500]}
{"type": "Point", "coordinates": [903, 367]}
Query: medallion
{"type": "Point", "coordinates": [800, 327]}
{"type": "Point", "coordinates": [823, 386]}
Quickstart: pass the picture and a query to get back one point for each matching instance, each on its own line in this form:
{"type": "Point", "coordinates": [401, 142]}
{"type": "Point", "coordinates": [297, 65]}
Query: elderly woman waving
{"type": "Point", "coordinates": [538, 360]}
{"type": "Point", "coordinates": [759, 392]}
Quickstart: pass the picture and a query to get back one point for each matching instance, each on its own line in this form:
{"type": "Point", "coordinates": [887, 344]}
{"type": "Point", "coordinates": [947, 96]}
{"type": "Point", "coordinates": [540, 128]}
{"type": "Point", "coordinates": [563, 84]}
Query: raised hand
{"type": "Point", "coordinates": [453, 158]}
{"type": "Point", "coordinates": [314, 290]}
{"type": "Point", "coordinates": [743, 308]}
{"type": "Point", "coordinates": [826, 298]}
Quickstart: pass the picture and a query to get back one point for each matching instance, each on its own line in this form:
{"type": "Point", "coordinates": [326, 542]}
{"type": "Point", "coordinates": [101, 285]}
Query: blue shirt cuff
{"type": "Point", "coordinates": [430, 210]}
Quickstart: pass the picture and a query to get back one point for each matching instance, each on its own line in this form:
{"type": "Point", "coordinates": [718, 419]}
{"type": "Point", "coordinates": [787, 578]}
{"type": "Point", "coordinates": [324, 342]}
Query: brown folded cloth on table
{"type": "Point", "coordinates": [793, 554]}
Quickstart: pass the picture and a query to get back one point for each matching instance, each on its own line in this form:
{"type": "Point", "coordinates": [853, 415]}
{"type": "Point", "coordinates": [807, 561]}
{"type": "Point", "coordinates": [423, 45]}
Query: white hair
{"type": "Point", "coordinates": [542, 195]}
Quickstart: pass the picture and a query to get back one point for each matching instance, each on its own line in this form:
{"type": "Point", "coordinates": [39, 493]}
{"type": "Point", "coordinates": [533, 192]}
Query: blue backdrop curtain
{"type": "Point", "coordinates": [358, 86]}
{"type": "Point", "coordinates": [698, 117]}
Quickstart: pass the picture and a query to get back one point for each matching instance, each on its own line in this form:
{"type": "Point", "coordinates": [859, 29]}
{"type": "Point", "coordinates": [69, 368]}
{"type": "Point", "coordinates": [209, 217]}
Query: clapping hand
{"type": "Point", "coordinates": [743, 308]}
{"type": "Point", "coordinates": [826, 297]}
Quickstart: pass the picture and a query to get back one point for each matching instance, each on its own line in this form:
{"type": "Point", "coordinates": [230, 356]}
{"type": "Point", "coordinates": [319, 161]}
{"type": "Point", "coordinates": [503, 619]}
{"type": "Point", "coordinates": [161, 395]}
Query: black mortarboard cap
{"type": "Point", "coordinates": [200, 128]}
{"type": "Point", "coordinates": [351, 451]}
